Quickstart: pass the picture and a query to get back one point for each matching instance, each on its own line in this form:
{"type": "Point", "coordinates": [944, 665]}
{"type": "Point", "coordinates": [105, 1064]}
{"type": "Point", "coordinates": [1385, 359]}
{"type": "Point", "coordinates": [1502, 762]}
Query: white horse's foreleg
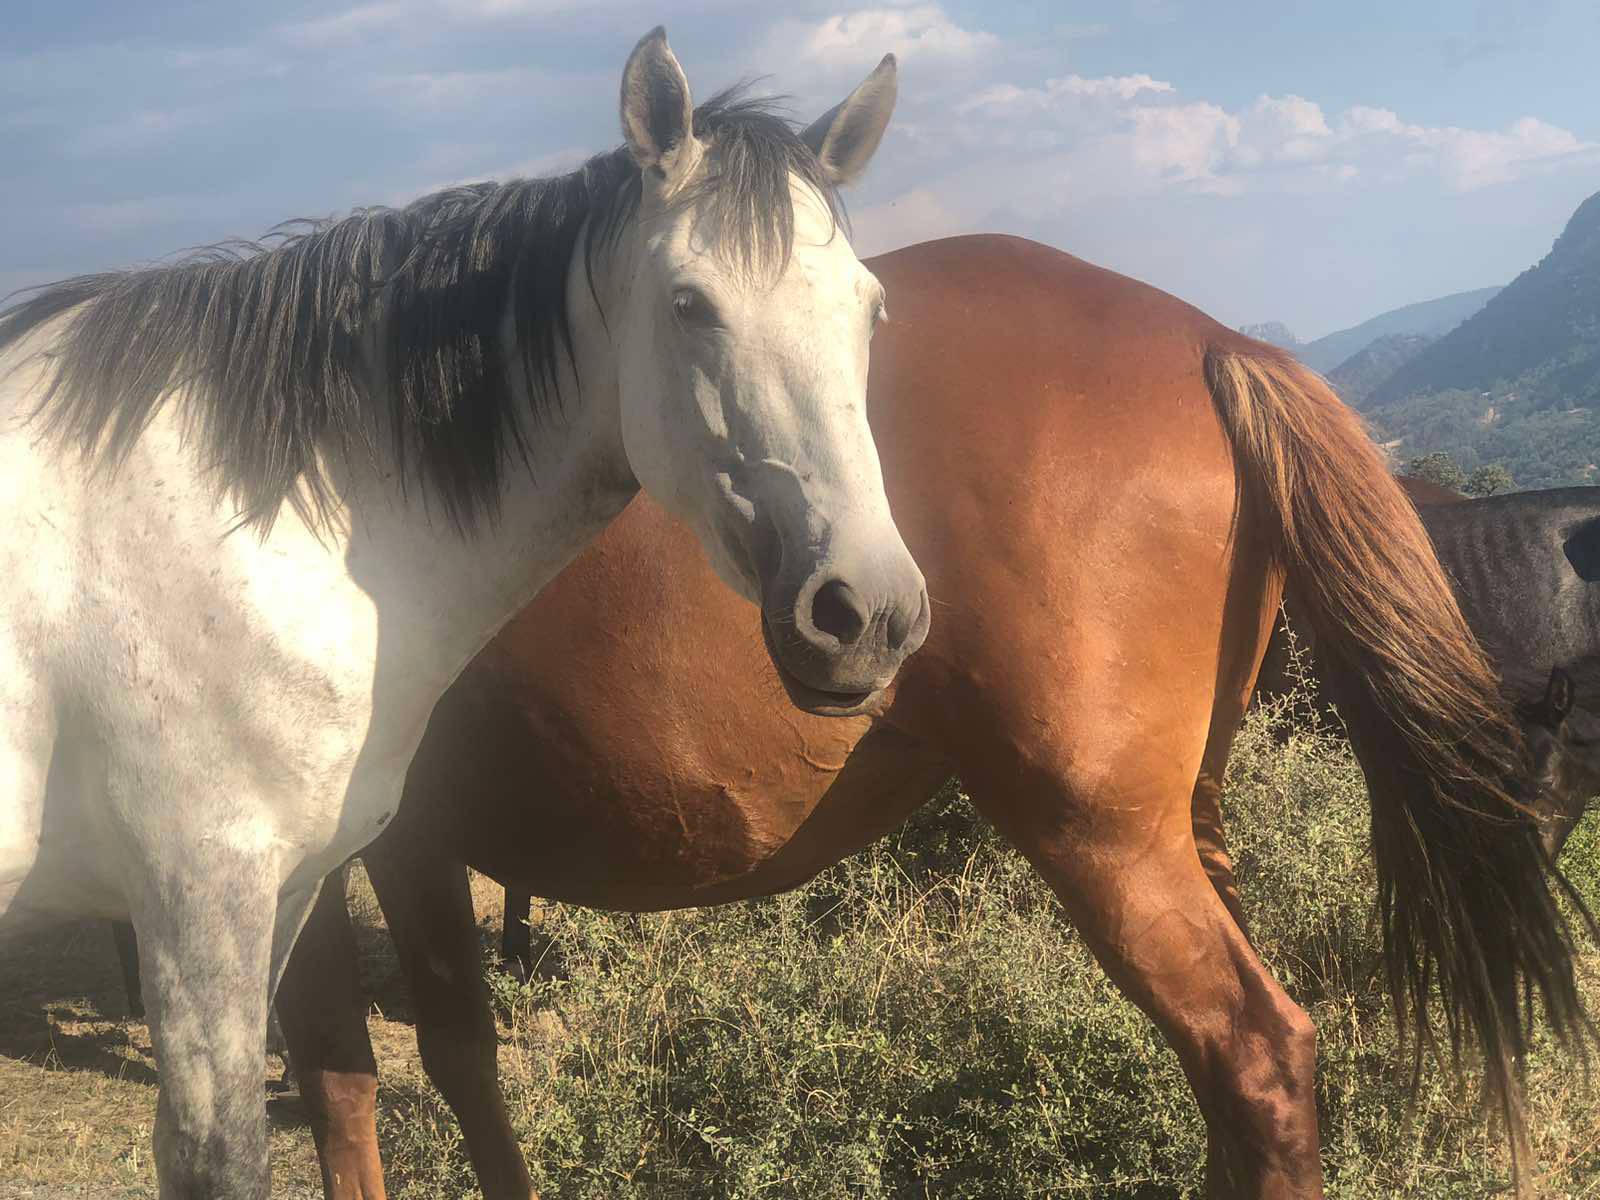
{"type": "Point", "coordinates": [206, 938]}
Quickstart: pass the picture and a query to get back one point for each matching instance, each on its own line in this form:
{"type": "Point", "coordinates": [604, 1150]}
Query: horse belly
{"type": "Point", "coordinates": [610, 825]}
{"type": "Point", "coordinates": [655, 838]}
{"type": "Point", "coordinates": [887, 777]}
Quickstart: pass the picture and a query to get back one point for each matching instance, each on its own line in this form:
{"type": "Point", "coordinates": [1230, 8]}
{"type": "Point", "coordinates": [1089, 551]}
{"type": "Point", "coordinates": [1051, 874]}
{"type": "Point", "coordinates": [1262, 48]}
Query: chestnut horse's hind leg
{"type": "Point", "coordinates": [516, 938]}
{"type": "Point", "coordinates": [428, 905]}
{"type": "Point", "coordinates": [1128, 872]}
{"type": "Point", "coordinates": [1210, 837]}
{"type": "Point", "coordinates": [324, 1021]}
{"type": "Point", "coordinates": [1211, 842]}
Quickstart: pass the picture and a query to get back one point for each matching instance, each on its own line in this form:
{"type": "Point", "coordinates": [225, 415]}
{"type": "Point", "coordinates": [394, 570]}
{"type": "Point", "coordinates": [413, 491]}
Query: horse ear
{"type": "Point", "coordinates": [1558, 695]}
{"type": "Point", "coordinates": [657, 111]}
{"type": "Point", "coordinates": [846, 136]}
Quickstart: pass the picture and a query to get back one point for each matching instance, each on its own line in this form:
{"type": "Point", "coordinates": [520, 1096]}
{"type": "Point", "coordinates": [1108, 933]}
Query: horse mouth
{"type": "Point", "coordinates": [822, 703]}
{"type": "Point", "coordinates": [817, 701]}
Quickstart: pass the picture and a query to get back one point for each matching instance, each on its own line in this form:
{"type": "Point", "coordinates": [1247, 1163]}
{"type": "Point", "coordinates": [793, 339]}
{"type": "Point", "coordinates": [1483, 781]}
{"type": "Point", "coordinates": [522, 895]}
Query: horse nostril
{"type": "Point", "coordinates": [837, 610]}
{"type": "Point", "coordinates": [902, 621]}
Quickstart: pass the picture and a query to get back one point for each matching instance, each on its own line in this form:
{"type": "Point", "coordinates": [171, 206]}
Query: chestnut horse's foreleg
{"type": "Point", "coordinates": [127, 944]}
{"type": "Point", "coordinates": [323, 1016]}
{"type": "Point", "coordinates": [1128, 870]}
{"type": "Point", "coordinates": [428, 905]}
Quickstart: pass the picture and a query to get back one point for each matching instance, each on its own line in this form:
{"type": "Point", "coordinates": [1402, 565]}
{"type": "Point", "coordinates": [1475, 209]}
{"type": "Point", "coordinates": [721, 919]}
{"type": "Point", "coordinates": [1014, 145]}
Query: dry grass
{"type": "Point", "coordinates": [918, 1022]}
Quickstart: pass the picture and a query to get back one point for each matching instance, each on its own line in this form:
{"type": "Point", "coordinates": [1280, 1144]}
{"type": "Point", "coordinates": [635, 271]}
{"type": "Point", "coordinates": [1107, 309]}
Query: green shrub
{"type": "Point", "coordinates": [921, 1021]}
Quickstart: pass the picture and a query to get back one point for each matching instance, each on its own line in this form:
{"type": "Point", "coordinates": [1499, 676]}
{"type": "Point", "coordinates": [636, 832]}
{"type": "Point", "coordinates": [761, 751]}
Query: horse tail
{"type": "Point", "coordinates": [1467, 896]}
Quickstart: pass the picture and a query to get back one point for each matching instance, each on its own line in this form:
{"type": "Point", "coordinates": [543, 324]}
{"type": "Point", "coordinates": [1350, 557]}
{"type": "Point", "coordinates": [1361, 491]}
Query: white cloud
{"type": "Point", "coordinates": [1282, 129]}
{"type": "Point", "coordinates": [1291, 131]}
{"type": "Point", "coordinates": [1056, 94]}
{"type": "Point", "coordinates": [1472, 158]}
{"type": "Point", "coordinates": [856, 40]}
{"type": "Point", "coordinates": [1029, 157]}
{"type": "Point", "coordinates": [1359, 119]}
{"type": "Point", "coordinates": [1183, 142]}
{"type": "Point", "coordinates": [1135, 134]}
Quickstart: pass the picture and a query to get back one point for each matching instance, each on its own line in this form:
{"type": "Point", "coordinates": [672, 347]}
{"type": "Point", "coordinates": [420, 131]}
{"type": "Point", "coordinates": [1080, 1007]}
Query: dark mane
{"type": "Point", "coordinates": [385, 325]}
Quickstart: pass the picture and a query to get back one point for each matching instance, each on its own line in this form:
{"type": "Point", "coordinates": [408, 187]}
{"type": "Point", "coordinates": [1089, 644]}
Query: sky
{"type": "Point", "coordinates": [1313, 163]}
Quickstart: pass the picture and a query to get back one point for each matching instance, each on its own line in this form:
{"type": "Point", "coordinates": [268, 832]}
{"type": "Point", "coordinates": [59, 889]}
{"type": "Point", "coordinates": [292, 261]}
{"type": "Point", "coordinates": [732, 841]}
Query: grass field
{"type": "Point", "coordinates": [918, 1022]}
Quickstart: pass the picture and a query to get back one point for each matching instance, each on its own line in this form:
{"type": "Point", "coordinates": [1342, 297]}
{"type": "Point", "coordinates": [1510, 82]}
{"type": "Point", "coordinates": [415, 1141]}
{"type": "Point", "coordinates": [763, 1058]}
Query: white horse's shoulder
{"type": "Point", "coordinates": [185, 656]}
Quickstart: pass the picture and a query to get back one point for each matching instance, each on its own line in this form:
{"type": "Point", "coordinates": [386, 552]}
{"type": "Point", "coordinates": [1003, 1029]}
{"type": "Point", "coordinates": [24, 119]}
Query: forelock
{"type": "Point", "coordinates": [745, 197]}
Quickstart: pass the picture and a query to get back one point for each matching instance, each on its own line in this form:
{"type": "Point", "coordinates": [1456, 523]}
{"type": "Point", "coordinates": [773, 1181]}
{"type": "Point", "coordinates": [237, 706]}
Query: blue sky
{"type": "Point", "coordinates": [1314, 164]}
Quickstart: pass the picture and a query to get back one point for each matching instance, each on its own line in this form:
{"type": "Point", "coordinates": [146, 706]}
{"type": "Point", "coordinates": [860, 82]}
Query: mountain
{"type": "Point", "coordinates": [1358, 376]}
{"type": "Point", "coordinates": [1273, 332]}
{"type": "Point", "coordinates": [1430, 318]}
{"type": "Point", "coordinates": [1542, 331]}
{"type": "Point", "coordinates": [1518, 382]}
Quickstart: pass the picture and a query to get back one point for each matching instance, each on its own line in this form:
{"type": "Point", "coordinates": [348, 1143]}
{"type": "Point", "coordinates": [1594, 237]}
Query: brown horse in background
{"type": "Point", "coordinates": [1526, 571]}
{"type": "Point", "coordinates": [1106, 491]}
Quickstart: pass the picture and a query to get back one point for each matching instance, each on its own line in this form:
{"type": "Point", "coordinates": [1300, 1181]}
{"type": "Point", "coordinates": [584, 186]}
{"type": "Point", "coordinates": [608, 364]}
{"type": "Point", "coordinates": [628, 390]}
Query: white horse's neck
{"type": "Point", "coordinates": [407, 554]}
{"type": "Point", "coordinates": [440, 595]}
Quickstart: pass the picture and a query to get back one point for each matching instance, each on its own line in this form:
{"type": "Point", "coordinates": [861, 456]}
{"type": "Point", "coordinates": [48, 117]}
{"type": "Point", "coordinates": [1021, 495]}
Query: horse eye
{"type": "Point", "coordinates": [692, 308]}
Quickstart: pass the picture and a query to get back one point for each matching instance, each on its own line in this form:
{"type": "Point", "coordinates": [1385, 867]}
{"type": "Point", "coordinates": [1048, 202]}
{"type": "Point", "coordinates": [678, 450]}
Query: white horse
{"type": "Point", "coordinates": [227, 604]}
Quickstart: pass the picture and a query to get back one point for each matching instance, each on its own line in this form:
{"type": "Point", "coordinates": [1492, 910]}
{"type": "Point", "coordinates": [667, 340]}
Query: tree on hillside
{"type": "Point", "coordinates": [1438, 468]}
{"type": "Point", "coordinates": [1490, 480]}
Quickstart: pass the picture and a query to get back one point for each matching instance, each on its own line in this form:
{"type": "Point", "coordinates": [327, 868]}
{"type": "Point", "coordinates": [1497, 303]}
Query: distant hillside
{"type": "Point", "coordinates": [1358, 376]}
{"type": "Point", "coordinates": [1543, 330]}
{"type": "Point", "coordinates": [1430, 318]}
{"type": "Point", "coordinates": [1274, 332]}
{"type": "Point", "coordinates": [1517, 383]}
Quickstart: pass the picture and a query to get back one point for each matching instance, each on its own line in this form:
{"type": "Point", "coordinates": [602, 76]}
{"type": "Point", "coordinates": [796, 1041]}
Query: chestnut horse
{"type": "Point", "coordinates": [1107, 491]}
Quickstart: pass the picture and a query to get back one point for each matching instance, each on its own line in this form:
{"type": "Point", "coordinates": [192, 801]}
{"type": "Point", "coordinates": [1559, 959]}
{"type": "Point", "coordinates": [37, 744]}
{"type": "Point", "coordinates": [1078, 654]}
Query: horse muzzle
{"type": "Point", "coordinates": [839, 638]}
